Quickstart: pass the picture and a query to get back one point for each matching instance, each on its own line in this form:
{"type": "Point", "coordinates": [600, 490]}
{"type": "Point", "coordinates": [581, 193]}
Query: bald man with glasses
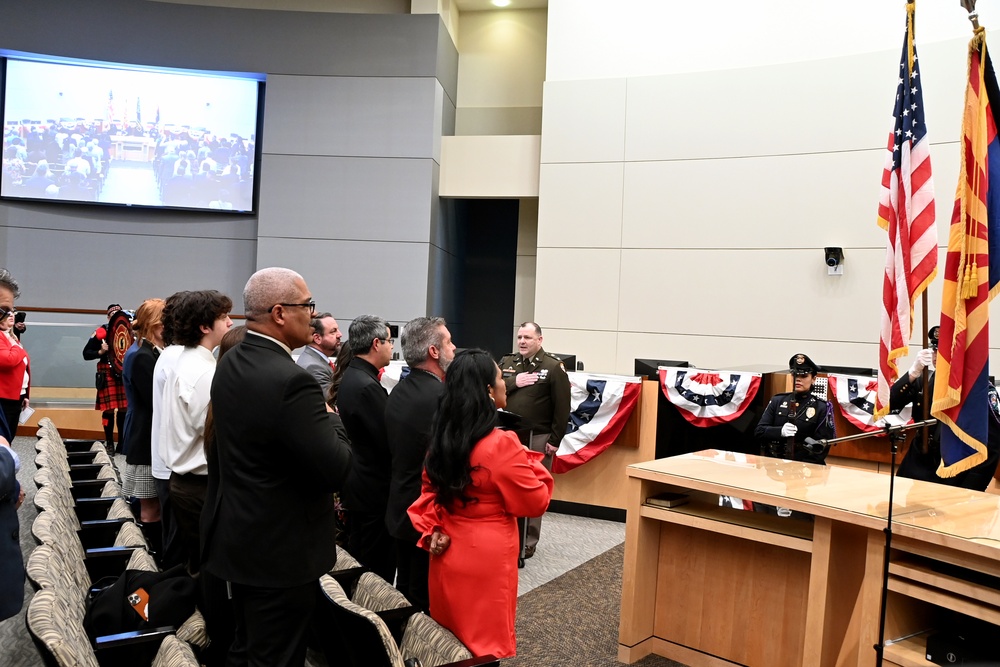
{"type": "Point", "coordinates": [278, 456]}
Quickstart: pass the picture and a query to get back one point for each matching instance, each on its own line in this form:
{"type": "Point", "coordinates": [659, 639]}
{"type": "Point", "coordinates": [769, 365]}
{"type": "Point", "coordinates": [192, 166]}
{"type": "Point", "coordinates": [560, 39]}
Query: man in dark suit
{"type": "Point", "coordinates": [361, 402]}
{"type": "Point", "coordinates": [409, 415]}
{"type": "Point", "coordinates": [325, 343]}
{"type": "Point", "coordinates": [268, 525]}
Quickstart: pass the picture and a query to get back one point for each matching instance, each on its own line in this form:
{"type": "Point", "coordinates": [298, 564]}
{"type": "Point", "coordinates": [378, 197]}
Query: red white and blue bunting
{"type": "Point", "coordinates": [709, 398]}
{"type": "Point", "coordinates": [856, 398]}
{"type": "Point", "coordinates": [599, 407]}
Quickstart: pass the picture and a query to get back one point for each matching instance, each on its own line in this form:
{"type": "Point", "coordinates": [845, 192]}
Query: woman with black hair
{"type": "Point", "coordinates": [477, 480]}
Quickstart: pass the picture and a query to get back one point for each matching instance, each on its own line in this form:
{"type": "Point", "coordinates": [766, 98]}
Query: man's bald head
{"type": "Point", "coordinates": [266, 288]}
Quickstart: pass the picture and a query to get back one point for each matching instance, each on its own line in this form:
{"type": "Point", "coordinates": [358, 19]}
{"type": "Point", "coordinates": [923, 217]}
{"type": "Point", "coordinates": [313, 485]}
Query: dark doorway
{"type": "Point", "coordinates": [485, 288]}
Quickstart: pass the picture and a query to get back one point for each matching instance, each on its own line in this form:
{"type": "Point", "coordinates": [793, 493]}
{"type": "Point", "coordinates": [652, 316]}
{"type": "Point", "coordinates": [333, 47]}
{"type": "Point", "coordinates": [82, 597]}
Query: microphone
{"type": "Point", "coordinates": [101, 333]}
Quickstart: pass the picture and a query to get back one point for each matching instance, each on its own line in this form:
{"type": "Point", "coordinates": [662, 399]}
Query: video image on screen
{"type": "Point", "coordinates": [107, 134]}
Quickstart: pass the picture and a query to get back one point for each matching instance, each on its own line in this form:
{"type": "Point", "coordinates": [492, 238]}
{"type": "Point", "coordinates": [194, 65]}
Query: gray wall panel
{"type": "Point", "coordinates": [351, 278]}
{"type": "Point", "coordinates": [447, 64]}
{"type": "Point", "coordinates": [339, 85]}
{"type": "Point", "coordinates": [86, 270]}
{"type": "Point", "coordinates": [102, 219]}
{"type": "Point", "coordinates": [353, 116]}
{"type": "Point", "coordinates": [198, 37]}
{"type": "Point", "coordinates": [347, 198]}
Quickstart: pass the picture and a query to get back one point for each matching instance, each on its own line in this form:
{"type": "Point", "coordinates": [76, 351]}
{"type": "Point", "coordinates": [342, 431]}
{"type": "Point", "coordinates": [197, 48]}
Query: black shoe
{"type": "Point", "coordinates": [529, 552]}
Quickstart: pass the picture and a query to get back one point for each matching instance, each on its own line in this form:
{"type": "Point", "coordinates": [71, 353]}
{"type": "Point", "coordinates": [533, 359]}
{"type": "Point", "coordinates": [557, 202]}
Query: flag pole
{"type": "Point", "coordinates": [970, 6]}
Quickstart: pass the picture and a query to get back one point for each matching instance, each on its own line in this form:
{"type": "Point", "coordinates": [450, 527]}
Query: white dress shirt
{"type": "Point", "coordinates": [186, 394]}
{"type": "Point", "coordinates": [165, 365]}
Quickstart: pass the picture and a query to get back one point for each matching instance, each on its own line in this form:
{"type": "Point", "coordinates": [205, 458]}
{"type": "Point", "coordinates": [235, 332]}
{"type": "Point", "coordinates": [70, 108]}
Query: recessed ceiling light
{"type": "Point", "coordinates": [500, 3]}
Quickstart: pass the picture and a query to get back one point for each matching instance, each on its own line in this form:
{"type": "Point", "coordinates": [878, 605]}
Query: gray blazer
{"type": "Point", "coordinates": [318, 366]}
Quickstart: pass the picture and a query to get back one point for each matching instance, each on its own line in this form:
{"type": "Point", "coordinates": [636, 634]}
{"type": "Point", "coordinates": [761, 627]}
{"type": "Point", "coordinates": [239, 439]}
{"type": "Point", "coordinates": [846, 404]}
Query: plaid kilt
{"type": "Point", "coordinates": [112, 394]}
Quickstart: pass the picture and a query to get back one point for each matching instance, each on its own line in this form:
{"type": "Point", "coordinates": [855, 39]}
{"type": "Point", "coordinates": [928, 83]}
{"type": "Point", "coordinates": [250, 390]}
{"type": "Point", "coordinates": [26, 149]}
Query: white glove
{"type": "Point", "coordinates": [925, 359]}
{"type": "Point", "coordinates": [789, 429]}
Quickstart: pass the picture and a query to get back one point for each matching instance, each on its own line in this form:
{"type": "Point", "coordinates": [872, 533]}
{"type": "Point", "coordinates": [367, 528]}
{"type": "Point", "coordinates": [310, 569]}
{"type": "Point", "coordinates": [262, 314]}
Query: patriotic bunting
{"type": "Point", "coordinates": [599, 407]}
{"type": "Point", "coordinates": [709, 398]}
{"type": "Point", "coordinates": [856, 398]}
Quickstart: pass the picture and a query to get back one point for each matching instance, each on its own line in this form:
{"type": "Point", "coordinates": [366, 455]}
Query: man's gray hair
{"type": "Point", "coordinates": [418, 335]}
{"type": "Point", "coordinates": [266, 288]}
{"type": "Point", "coordinates": [7, 280]}
{"type": "Point", "coordinates": [317, 323]}
{"type": "Point", "coordinates": [363, 331]}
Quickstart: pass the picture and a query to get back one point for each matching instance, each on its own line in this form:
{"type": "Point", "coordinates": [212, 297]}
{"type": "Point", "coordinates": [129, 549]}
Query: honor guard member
{"type": "Point", "coordinates": [538, 391]}
{"type": "Point", "coordinates": [791, 418]}
{"type": "Point", "coordinates": [921, 464]}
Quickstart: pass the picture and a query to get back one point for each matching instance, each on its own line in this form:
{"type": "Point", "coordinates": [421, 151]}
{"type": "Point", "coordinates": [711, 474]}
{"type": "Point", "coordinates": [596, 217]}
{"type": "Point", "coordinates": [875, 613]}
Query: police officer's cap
{"type": "Point", "coordinates": [933, 335]}
{"type": "Point", "coordinates": [800, 363]}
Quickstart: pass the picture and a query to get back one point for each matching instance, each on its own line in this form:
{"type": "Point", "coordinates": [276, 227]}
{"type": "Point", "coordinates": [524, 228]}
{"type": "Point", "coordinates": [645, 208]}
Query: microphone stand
{"type": "Point", "coordinates": [896, 434]}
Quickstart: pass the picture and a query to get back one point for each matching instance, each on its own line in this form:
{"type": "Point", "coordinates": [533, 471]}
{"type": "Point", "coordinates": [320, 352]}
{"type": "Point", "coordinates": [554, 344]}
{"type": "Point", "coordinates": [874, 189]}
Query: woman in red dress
{"type": "Point", "coordinates": [477, 480]}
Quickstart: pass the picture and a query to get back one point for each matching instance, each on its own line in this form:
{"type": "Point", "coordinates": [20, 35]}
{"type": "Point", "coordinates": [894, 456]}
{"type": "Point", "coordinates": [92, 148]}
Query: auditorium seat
{"type": "Point", "coordinates": [353, 636]}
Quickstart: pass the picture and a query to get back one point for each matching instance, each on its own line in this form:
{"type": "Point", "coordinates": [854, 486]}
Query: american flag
{"type": "Point", "coordinates": [906, 212]}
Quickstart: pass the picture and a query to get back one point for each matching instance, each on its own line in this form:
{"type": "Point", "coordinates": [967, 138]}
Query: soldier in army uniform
{"type": "Point", "coordinates": [538, 390]}
{"type": "Point", "coordinates": [921, 463]}
{"type": "Point", "coordinates": [791, 418]}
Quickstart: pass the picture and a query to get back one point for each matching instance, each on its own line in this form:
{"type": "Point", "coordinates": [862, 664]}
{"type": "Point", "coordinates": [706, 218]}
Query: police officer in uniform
{"type": "Point", "coordinates": [538, 391]}
{"type": "Point", "coordinates": [920, 464]}
{"type": "Point", "coordinates": [791, 418]}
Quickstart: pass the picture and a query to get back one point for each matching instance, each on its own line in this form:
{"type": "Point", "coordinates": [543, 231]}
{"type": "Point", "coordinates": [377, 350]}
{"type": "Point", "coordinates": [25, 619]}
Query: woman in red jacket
{"type": "Point", "coordinates": [14, 374]}
{"type": "Point", "coordinates": [477, 480]}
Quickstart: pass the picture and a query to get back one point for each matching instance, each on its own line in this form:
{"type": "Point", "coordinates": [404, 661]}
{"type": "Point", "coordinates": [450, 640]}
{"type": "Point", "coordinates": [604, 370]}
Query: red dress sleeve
{"type": "Point", "coordinates": [425, 513]}
{"type": "Point", "coordinates": [523, 482]}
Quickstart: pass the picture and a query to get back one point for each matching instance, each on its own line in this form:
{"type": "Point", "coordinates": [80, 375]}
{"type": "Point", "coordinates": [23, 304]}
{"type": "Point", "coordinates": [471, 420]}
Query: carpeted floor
{"type": "Point", "coordinates": [572, 621]}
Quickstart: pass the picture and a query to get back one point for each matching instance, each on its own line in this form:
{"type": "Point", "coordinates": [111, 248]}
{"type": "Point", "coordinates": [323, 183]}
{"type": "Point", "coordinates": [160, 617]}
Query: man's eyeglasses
{"type": "Point", "coordinates": [389, 340]}
{"type": "Point", "coordinates": [5, 313]}
{"type": "Point", "coordinates": [310, 305]}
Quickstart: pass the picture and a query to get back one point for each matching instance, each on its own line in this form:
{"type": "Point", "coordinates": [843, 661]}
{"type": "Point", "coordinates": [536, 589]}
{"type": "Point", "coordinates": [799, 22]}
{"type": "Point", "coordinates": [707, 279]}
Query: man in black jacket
{"type": "Point", "coordinates": [921, 463]}
{"type": "Point", "coordinates": [409, 415]}
{"type": "Point", "coordinates": [268, 524]}
{"type": "Point", "coordinates": [361, 402]}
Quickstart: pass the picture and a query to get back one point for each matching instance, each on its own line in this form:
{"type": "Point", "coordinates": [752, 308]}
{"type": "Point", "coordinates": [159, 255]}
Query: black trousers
{"type": "Point", "coordinates": [187, 497]}
{"type": "Point", "coordinates": [369, 541]}
{"type": "Point", "coordinates": [412, 564]}
{"type": "Point", "coordinates": [271, 625]}
{"type": "Point", "coordinates": [171, 552]}
{"type": "Point", "coordinates": [12, 412]}
{"type": "Point", "coordinates": [220, 620]}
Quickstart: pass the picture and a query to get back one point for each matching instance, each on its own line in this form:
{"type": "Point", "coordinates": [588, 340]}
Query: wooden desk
{"type": "Point", "coordinates": [711, 586]}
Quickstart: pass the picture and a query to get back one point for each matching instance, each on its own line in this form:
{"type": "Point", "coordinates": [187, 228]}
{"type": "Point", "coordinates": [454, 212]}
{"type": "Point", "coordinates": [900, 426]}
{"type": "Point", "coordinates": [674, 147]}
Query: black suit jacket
{"type": "Point", "coordinates": [278, 458]}
{"type": "Point", "coordinates": [361, 401]}
{"type": "Point", "coordinates": [137, 374]}
{"type": "Point", "coordinates": [409, 415]}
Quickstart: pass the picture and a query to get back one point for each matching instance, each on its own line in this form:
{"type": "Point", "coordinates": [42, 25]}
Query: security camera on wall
{"type": "Point", "coordinates": [834, 258]}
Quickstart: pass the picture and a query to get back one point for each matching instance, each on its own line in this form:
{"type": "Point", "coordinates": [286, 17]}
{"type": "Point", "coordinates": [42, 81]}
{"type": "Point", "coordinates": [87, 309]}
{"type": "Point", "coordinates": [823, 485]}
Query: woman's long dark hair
{"type": "Point", "coordinates": [465, 415]}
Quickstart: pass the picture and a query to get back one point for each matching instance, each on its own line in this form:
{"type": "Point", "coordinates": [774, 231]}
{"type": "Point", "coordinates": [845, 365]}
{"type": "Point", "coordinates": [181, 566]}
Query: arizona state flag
{"type": "Point", "coordinates": [972, 270]}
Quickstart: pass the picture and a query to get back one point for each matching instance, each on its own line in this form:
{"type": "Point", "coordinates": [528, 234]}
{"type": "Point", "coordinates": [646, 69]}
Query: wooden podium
{"type": "Point", "coordinates": [710, 586]}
